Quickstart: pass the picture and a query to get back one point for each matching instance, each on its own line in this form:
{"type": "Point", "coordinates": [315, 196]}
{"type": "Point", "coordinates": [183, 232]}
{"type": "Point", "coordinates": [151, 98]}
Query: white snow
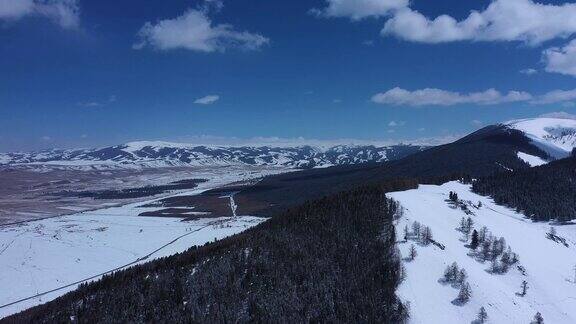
{"type": "Point", "coordinates": [531, 159]}
{"type": "Point", "coordinates": [549, 265]}
{"type": "Point", "coordinates": [39, 256]}
{"type": "Point", "coordinates": [556, 136]}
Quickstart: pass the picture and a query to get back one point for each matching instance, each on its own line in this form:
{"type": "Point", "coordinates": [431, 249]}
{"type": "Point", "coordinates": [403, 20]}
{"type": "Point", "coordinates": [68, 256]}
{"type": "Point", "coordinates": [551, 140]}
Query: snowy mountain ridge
{"type": "Point", "coordinates": [151, 154]}
{"type": "Point", "coordinates": [555, 136]}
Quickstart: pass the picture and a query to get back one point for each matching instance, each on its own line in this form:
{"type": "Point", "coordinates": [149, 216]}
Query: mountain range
{"type": "Point", "coordinates": [534, 141]}
{"type": "Point", "coordinates": [151, 154]}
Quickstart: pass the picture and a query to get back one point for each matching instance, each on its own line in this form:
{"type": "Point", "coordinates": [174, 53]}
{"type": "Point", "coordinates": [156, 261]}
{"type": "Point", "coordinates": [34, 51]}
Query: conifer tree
{"type": "Point", "coordinates": [474, 242]}
{"type": "Point", "coordinates": [461, 277]}
{"type": "Point", "coordinates": [538, 319]}
{"type": "Point", "coordinates": [465, 293]}
{"type": "Point", "coordinates": [482, 315]}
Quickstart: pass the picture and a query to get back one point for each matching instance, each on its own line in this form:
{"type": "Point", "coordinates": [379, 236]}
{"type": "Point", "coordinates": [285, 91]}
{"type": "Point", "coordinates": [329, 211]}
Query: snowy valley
{"type": "Point", "coordinates": [41, 260]}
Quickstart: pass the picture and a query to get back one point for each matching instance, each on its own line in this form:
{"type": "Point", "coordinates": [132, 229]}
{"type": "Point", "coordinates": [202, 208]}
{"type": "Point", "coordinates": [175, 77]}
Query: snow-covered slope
{"type": "Point", "coordinates": [555, 136]}
{"type": "Point", "coordinates": [532, 160]}
{"type": "Point", "coordinates": [165, 154]}
{"type": "Point", "coordinates": [549, 265]}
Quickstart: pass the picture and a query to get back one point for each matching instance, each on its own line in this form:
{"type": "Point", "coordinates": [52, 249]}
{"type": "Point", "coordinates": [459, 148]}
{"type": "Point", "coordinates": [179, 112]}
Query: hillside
{"type": "Point", "coordinates": [329, 260]}
{"type": "Point", "coordinates": [544, 193]}
{"type": "Point", "coordinates": [544, 262]}
{"type": "Point", "coordinates": [555, 136]}
{"type": "Point", "coordinates": [490, 150]}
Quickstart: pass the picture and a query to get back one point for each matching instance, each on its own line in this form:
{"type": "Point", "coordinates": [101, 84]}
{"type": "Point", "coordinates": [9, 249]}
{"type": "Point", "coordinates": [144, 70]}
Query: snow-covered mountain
{"type": "Point", "coordinates": [165, 154]}
{"type": "Point", "coordinates": [555, 136]}
{"type": "Point", "coordinates": [545, 260]}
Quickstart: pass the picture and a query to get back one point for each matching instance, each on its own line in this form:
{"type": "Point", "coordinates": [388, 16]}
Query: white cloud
{"type": "Point", "coordinates": [196, 32]}
{"type": "Point", "coordinates": [66, 13]}
{"type": "Point", "coordinates": [438, 97]}
{"type": "Point", "coordinates": [529, 71]}
{"type": "Point", "coordinates": [476, 122]}
{"type": "Point", "coordinates": [502, 20]}
{"type": "Point", "coordinates": [359, 9]}
{"type": "Point", "coordinates": [561, 59]}
{"type": "Point", "coordinates": [396, 123]}
{"type": "Point", "coordinates": [207, 100]}
{"type": "Point", "coordinates": [559, 114]}
{"type": "Point", "coordinates": [555, 96]}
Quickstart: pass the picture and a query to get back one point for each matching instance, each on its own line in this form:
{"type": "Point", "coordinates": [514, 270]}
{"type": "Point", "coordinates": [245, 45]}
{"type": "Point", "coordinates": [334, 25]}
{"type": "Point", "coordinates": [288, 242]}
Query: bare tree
{"type": "Point", "coordinates": [412, 253]}
{"type": "Point", "coordinates": [524, 287]}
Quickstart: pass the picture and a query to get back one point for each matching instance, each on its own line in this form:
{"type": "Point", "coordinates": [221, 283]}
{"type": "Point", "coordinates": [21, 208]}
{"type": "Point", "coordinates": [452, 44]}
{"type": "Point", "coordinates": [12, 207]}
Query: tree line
{"type": "Point", "coordinates": [542, 193]}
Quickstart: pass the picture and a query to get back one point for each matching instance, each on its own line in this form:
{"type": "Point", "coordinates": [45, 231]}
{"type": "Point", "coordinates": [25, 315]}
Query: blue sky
{"type": "Point", "coordinates": [79, 73]}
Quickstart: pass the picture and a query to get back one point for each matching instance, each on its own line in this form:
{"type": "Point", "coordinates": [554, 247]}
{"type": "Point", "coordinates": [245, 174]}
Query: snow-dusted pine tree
{"type": "Point", "coordinates": [482, 315]}
{"type": "Point", "coordinates": [465, 293]}
{"type": "Point", "coordinates": [474, 242]}
{"type": "Point", "coordinates": [538, 319]}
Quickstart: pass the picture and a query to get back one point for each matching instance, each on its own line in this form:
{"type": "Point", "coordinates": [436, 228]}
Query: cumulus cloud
{"type": "Point", "coordinates": [438, 97]}
{"type": "Point", "coordinates": [65, 13]}
{"type": "Point", "coordinates": [359, 9]}
{"type": "Point", "coordinates": [207, 100]}
{"type": "Point", "coordinates": [502, 20]}
{"type": "Point", "coordinates": [561, 59]}
{"type": "Point", "coordinates": [196, 32]}
{"type": "Point", "coordinates": [555, 96]}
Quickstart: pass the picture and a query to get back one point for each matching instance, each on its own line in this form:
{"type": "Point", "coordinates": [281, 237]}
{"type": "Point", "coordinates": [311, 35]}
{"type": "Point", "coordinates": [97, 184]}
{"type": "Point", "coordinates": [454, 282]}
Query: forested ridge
{"type": "Point", "coordinates": [329, 260]}
{"type": "Point", "coordinates": [543, 193]}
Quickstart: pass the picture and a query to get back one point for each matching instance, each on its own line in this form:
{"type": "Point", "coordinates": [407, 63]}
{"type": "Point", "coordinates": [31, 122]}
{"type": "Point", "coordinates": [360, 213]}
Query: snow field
{"type": "Point", "coordinates": [549, 265]}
